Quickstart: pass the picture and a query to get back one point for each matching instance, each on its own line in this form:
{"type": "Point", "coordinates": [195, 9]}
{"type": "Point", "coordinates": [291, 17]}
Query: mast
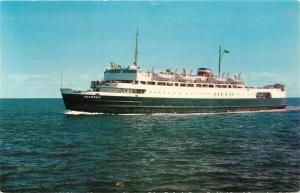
{"type": "Point", "coordinates": [136, 62]}
{"type": "Point", "coordinates": [220, 55]}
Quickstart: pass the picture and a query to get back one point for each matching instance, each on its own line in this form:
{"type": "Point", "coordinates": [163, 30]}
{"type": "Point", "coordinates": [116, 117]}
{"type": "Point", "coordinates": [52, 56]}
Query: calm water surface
{"type": "Point", "coordinates": [44, 149]}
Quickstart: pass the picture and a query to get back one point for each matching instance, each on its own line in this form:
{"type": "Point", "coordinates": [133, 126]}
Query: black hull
{"type": "Point", "coordinates": [127, 105]}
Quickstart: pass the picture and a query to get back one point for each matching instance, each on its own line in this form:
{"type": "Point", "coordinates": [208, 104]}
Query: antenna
{"type": "Point", "coordinates": [136, 63]}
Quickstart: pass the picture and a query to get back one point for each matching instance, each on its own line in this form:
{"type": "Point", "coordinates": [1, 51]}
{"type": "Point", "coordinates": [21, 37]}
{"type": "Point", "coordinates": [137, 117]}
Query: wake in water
{"type": "Point", "coordinates": [81, 113]}
{"type": "Point", "coordinates": [288, 108]}
{"type": "Point", "coordinates": [68, 112]}
{"type": "Point", "coordinates": [292, 108]}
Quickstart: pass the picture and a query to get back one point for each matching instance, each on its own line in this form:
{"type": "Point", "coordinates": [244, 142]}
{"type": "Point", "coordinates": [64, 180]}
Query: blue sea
{"type": "Point", "coordinates": [45, 148]}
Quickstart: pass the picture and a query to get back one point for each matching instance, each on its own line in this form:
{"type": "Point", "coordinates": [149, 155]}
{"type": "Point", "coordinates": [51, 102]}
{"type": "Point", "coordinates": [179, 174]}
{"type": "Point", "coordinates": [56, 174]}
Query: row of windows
{"type": "Point", "coordinates": [120, 70]}
{"type": "Point", "coordinates": [169, 84]}
{"type": "Point", "coordinates": [136, 91]}
{"type": "Point", "coordinates": [142, 91]}
{"type": "Point", "coordinates": [188, 84]}
{"type": "Point", "coordinates": [119, 90]}
{"type": "Point", "coordinates": [208, 94]}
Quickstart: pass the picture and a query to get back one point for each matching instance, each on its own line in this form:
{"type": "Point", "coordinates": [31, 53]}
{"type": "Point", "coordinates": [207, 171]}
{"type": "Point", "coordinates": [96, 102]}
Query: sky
{"type": "Point", "coordinates": [41, 40]}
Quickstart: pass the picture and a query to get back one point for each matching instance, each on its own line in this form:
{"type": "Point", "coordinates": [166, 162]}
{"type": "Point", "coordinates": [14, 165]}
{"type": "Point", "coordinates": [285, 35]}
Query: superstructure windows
{"type": "Point", "coordinates": [135, 91]}
{"type": "Point", "coordinates": [127, 81]}
{"type": "Point", "coordinates": [151, 83]}
{"type": "Point", "coordinates": [161, 83]}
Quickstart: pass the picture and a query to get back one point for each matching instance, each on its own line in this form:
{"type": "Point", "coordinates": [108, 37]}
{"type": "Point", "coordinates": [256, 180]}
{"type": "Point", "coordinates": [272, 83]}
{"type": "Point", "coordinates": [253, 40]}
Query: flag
{"type": "Point", "coordinates": [226, 51]}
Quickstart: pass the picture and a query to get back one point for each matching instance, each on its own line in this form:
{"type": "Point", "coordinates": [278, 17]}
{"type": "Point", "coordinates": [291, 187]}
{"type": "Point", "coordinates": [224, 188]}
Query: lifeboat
{"type": "Point", "coordinates": [201, 79]}
{"type": "Point", "coordinates": [206, 72]}
{"type": "Point", "coordinates": [163, 76]}
{"type": "Point", "coordinates": [217, 80]}
{"type": "Point", "coordinates": [235, 81]}
{"type": "Point", "coordinates": [185, 78]}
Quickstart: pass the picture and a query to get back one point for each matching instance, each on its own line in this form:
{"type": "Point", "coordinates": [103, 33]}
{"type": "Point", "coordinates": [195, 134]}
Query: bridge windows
{"type": "Point", "coordinates": [115, 71]}
{"type": "Point", "coordinates": [129, 71]}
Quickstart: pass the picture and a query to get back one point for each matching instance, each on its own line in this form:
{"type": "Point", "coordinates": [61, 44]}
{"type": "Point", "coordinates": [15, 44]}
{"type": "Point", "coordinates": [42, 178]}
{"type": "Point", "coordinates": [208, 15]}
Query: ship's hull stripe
{"type": "Point", "coordinates": [118, 105]}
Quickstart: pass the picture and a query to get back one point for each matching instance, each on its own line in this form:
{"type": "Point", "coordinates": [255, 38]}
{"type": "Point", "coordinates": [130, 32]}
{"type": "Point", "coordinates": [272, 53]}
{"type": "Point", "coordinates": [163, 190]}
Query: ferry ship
{"type": "Point", "coordinates": [129, 90]}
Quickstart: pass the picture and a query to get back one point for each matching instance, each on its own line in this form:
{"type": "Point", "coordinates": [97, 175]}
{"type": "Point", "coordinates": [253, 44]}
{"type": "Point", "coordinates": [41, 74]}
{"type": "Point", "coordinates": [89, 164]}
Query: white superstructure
{"type": "Point", "coordinates": [133, 82]}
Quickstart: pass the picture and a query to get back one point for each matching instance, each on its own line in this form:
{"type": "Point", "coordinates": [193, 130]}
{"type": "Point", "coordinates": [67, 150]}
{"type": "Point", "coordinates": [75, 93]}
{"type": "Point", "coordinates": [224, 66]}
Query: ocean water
{"type": "Point", "coordinates": [47, 149]}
